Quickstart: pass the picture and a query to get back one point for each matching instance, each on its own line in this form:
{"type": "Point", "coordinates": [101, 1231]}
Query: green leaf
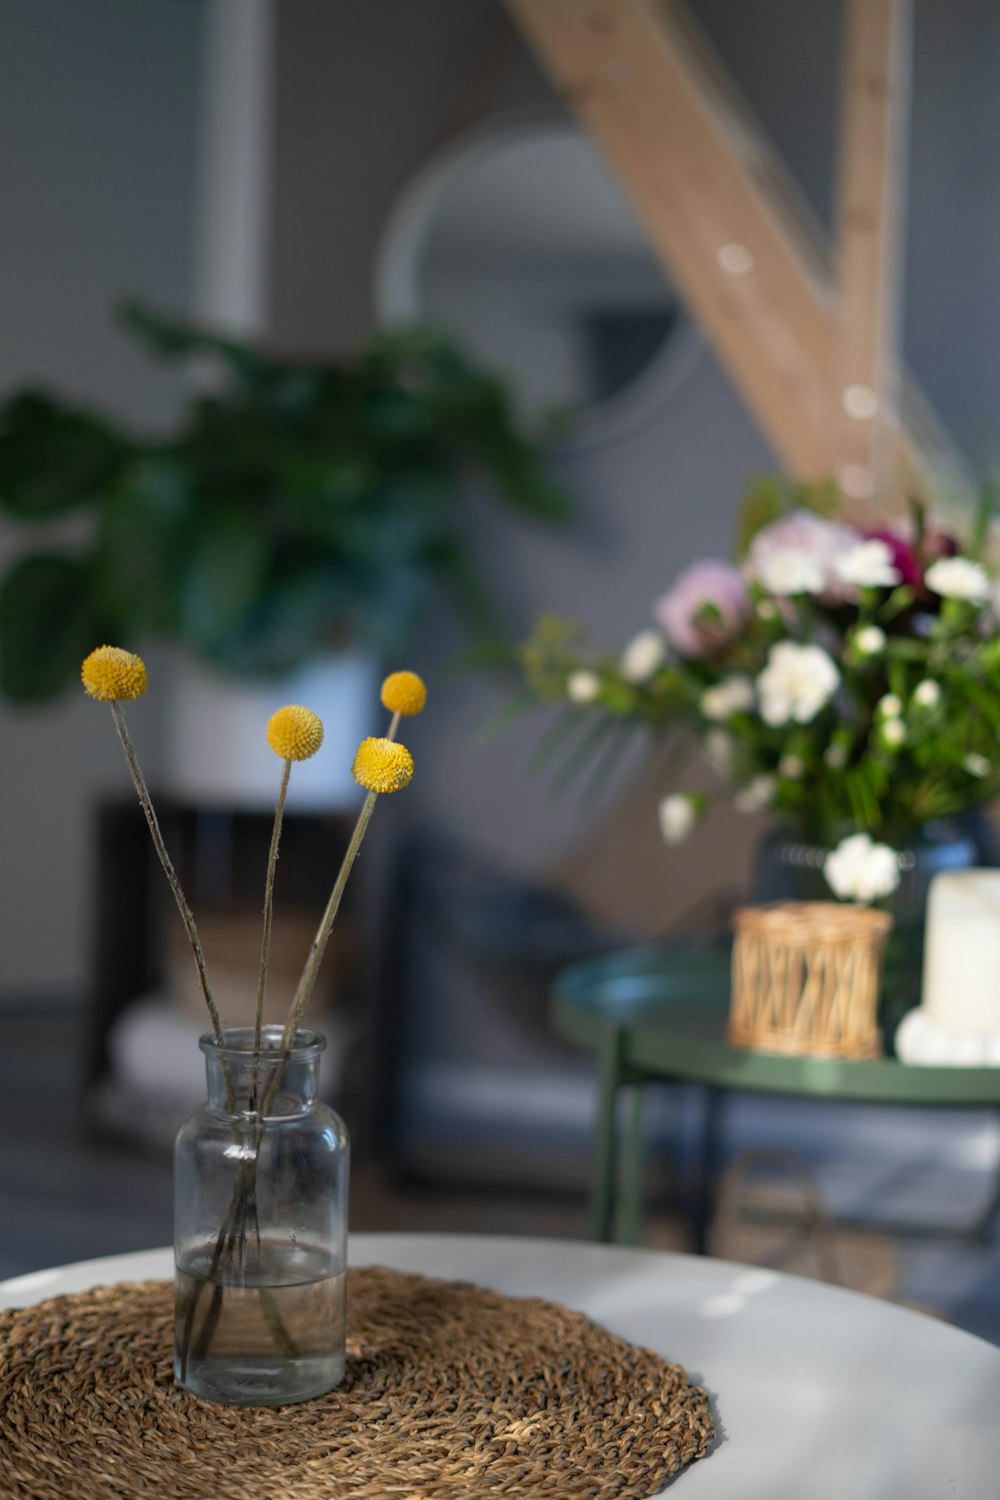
{"type": "Point", "coordinates": [55, 458]}
{"type": "Point", "coordinates": [223, 578]}
{"type": "Point", "coordinates": [765, 502]}
{"type": "Point", "coordinates": [47, 625]}
{"type": "Point", "coordinates": [141, 547]}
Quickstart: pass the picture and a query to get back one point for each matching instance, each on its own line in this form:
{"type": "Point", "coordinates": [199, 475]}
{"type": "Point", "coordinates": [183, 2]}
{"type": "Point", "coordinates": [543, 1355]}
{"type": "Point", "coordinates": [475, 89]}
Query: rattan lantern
{"type": "Point", "coordinates": [806, 978]}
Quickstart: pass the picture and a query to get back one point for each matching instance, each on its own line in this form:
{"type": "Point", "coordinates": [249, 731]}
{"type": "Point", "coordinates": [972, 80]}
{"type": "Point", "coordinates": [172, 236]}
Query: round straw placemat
{"type": "Point", "coordinates": [451, 1392]}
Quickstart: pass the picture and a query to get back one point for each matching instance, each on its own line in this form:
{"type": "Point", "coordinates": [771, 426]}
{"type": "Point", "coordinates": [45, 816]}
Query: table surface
{"type": "Point", "coordinates": [817, 1393]}
{"type": "Point", "coordinates": [671, 1010]}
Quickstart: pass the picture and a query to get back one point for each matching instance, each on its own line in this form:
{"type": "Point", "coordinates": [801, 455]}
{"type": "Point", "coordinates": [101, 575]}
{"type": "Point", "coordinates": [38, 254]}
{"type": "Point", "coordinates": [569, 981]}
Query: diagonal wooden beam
{"type": "Point", "coordinates": [710, 195]}
{"type": "Point", "coordinates": [738, 240]}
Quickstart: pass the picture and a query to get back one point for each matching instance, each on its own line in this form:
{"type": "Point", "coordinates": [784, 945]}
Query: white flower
{"type": "Point", "coordinates": [894, 732]}
{"type": "Point", "coordinates": [959, 578]}
{"type": "Point", "coordinates": [868, 565]}
{"type": "Point", "coordinates": [792, 766]}
{"type": "Point", "coordinates": [976, 765]}
{"type": "Point", "coordinates": [583, 686]}
{"type": "Point", "coordinates": [797, 554]}
{"type": "Point", "coordinates": [756, 795]}
{"type": "Point", "coordinates": [678, 815]}
{"type": "Point", "coordinates": [927, 694]}
{"type": "Point", "coordinates": [861, 870]}
{"type": "Point", "coordinates": [835, 756]}
{"type": "Point", "coordinates": [642, 656]}
{"type": "Point", "coordinates": [797, 682]}
{"type": "Point", "coordinates": [713, 703]}
{"type": "Point", "coordinates": [869, 640]}
{"type": "Point", "coordinates": [732, 695]}
{"type": "Point", "coordinates": [789, 572]}
{"type": "Point", "coordinates": [719, 747]}
{"type": "Point", "coordinates": [890, 706]}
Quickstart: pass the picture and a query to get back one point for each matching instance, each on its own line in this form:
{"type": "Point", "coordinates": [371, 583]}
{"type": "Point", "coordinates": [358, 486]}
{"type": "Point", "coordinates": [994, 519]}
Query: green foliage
{"type": "Point", "coordinates": [300, 504]}
{"type": "Point", "coordinates": [850, 760]}
{"type": "Point", "coordinates": [771, 496]}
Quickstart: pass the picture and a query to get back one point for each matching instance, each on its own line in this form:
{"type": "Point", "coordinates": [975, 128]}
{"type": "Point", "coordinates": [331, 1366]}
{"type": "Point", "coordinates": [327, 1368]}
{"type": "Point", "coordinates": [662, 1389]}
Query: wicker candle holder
{"type": "Point", "coordinates": [806, 978]}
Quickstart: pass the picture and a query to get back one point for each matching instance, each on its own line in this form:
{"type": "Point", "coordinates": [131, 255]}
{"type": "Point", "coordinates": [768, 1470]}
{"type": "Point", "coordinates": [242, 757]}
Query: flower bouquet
{"type": "Point", "coordinates": [260, 1172]}
{"type": "Point", "coordinates": [845, 678]}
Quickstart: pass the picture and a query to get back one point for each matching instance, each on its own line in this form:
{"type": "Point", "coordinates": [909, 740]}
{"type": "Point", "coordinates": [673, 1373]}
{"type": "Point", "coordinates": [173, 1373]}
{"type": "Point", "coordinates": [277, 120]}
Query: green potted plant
{"type": "Point", "coordinates": [300, 509]}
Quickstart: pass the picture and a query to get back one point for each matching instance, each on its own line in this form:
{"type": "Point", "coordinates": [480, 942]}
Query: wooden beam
{"type": "Point", "coordinates": [738, 240]}
{"type": "Point", "coordinates": [865, 397]}
{"type": "Point", "coordinates": [710, 195]}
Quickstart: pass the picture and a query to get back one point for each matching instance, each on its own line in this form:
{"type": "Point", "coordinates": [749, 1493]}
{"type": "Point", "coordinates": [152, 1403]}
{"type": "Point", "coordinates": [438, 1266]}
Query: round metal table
{"type": "Point", "coordinates": [656, 1016]}
{"type": "Point", "coordinates": [816, 1392]}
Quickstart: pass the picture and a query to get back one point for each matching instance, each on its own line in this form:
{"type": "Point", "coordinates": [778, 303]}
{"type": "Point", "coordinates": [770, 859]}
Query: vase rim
{"type": "Point", "coordinates": [238, 1041]}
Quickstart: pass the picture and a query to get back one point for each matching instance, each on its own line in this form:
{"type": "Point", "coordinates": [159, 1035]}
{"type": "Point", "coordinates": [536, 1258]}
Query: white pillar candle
{"type": "Point", "coordinates": [962, 953]}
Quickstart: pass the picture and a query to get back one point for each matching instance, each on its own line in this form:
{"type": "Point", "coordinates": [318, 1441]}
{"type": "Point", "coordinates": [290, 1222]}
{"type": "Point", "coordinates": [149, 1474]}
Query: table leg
{"type": "Point", "coordinates": [713, 1121]}
{"type": "Point", "coordinates": [606, 1153]}
{"type": "Point", "coordinates": [632, 1171]}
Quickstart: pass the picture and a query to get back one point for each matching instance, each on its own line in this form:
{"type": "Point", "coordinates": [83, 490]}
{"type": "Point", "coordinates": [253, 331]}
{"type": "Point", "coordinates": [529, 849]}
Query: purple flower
{"type": "Point", "coordinates": [705, 608]}
{"type": "Point", "coordinates": [904, 559]}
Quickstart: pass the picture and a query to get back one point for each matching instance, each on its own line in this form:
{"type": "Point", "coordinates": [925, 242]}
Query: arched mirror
{"type": "Point", "coordinates": [519, 243]}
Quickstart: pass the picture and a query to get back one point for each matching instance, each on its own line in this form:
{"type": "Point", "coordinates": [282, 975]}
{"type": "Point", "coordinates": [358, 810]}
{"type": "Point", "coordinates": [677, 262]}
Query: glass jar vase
{"type": "Point", "coordinates": [789, 869]}
{"type": "Point", "coordinates": [260, 1227]}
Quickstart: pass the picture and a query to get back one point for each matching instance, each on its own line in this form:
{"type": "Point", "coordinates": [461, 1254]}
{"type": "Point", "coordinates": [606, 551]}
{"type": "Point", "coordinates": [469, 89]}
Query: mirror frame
{"type": "Point", "coordinates": [396, 282]}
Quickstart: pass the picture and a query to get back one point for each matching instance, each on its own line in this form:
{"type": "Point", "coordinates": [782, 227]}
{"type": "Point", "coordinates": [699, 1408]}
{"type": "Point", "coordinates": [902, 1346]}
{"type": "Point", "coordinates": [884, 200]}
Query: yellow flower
{"type": "Point", "coordinates": [109, 674]}
{"type": "Point", "coordinates": [294, 733]}
{"type": "Point", "coordinates": [382, 765]}
{"type": "Point", "coordinates": [404, 693]}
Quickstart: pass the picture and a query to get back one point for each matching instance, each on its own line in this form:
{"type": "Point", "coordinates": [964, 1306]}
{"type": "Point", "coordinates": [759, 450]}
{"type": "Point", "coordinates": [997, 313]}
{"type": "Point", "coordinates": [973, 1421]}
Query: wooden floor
{"type": "Point", "coordinates": [64, 1197]}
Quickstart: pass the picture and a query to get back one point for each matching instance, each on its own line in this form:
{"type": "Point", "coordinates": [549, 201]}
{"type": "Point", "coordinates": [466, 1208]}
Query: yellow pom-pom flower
{"type": "Point", "coordinates": [294, 733]}
{"type": "Point", "coordinates": [382, 765]}
{"type": "Point", "coordinates": [110, 674]}
{"type": "Point", "coordinates": [404, 693]}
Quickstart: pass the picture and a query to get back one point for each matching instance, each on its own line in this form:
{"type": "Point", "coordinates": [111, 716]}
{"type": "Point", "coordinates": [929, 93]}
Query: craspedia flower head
{"type": "Point", "coordinates": [294, 733]}
{"type": "Point", "coordinates": [404, 693]}
{"type": "Point", "coordinates": [110, 674]}
{"type": "Point", "coordinates": [382, 765]}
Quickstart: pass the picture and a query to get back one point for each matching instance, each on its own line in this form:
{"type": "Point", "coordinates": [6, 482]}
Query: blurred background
{"type": "Point", "coordinates": [306, 176]}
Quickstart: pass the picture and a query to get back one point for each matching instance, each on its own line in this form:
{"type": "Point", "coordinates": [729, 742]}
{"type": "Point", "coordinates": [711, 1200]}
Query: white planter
{"type": "Point", "coordinates": [216, 752]}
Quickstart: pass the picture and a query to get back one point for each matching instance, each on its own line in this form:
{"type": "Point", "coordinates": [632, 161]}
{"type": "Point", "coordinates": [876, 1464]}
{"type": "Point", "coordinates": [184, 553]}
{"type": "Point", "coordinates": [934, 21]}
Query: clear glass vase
{"type": "Point", "coordinates": [260, 1228]}
{"type": "Point", "coordinates": [790, 869]}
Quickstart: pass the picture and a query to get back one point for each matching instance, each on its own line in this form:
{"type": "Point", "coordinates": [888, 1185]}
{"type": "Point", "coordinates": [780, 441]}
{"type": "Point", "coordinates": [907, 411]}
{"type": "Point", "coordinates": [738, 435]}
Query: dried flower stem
{"type": "Point", "coordinates": [393, 726]}
{"type": "Point", "coordinates": [307, 980]}
{"type": "Point", "coordinates": [265, 947]}
{"type": "Point", "coordinates": [168, 869]}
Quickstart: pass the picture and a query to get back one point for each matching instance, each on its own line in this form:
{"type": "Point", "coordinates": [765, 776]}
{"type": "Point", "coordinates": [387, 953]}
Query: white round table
{"type": "Point", "coordinates": [818, 1393]}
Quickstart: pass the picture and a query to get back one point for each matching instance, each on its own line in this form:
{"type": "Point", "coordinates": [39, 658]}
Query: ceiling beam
{"type": "Point", "coordinates": [793, 323]}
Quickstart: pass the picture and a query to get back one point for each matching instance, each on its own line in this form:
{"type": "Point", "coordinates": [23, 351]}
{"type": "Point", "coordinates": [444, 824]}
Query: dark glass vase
{"type": "Point", "coordinates": [787, 869]}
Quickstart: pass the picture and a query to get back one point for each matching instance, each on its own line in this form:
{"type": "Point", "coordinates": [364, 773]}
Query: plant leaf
{"type": "Point", "coordinates": [47, 625]}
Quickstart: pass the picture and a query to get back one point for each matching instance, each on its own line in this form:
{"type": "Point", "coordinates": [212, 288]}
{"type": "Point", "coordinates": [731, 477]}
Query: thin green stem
{"type": "Point", "coordinates": [265, 946]}
{"type": "Point", "coordinates": [310, 972]}
{"type": "Point", "coordinates": [187, 918]}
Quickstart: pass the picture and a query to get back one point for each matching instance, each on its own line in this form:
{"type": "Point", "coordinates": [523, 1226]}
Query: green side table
{"type": "Point", "coordinates": [659, 1016]}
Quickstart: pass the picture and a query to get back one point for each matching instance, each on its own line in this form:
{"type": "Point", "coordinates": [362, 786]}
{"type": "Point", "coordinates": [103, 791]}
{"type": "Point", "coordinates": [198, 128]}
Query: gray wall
{"type": "Point", "coordinates": [362, 92]}
{"type": "Point", "coordinates": [97, 135]}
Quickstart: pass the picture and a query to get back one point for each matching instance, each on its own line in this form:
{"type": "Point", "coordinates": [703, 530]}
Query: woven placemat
{"type": "Point", "coordinates": [451, 1392]}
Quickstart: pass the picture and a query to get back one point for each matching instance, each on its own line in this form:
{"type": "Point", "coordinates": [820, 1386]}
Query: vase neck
{"type": "Point", "coordinates": [238, 1084]}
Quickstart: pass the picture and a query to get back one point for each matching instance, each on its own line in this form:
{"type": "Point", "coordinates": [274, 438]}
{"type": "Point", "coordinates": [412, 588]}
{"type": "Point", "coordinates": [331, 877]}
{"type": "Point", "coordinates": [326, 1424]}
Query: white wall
{"type": "Point", "coordinates": [97, 136]}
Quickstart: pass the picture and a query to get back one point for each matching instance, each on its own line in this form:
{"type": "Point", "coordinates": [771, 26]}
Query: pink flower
{"type": "Point", "coordinates": [812, 544]}
{"type": "Point", "coordinates": [705, 608]}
